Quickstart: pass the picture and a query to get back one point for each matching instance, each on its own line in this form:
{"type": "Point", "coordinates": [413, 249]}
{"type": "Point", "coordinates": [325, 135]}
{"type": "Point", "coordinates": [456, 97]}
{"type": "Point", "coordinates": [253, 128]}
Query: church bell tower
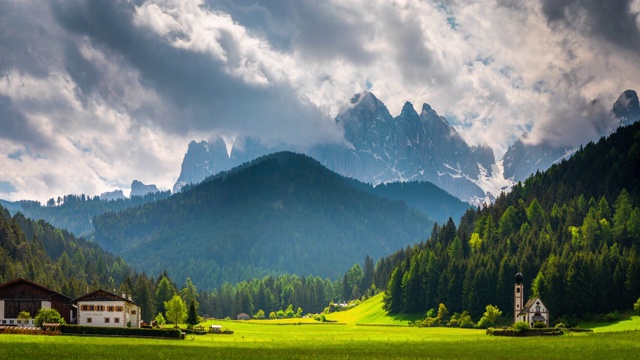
{"type": "Point", "coordinates": [518, 297]}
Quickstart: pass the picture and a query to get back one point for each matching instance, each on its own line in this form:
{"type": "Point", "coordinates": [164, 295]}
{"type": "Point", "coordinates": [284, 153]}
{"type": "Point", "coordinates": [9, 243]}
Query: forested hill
{"type": "Point", "coordinates": [573, 231]}
{"type": "Point", "coordinates": [280, 213]}
{"type": "Point", "coordinates": [423, 196]}
{"type": "Point", "coordinates": [55, 258]}
{"type": "Point", "coordinates": [75, 212]}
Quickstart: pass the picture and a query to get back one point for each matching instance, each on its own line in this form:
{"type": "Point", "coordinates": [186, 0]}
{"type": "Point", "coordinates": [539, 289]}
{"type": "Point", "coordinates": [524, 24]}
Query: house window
{"type": "Point", "coordinates": [116, 320]}
{"type": "Point", "coordinates": [4, 321]}
{"type": "Point", "coordinates": [119, 308]}
{"type": "Point", "coordinates": [10, 321]}
{"type": "Point", "coordinates": [133, 312]}
{"type": "Point", "coordinates": [91, 307]}
{"type": "Point", "coordinates": [89, 320]}
{"type": "Point", "coordinates": [83, 307]}
{"type": "Point", "coordinates": [110, 308]}
{"type": "Point", "coordinates": [107, 320]}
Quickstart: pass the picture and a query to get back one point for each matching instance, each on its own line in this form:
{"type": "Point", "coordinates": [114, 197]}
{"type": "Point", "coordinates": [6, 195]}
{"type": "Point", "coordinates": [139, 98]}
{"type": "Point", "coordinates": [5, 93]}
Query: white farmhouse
{"type": "Point", "coordinates": [103, 308]}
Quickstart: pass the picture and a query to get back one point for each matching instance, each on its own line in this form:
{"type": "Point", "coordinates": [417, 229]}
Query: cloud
{"type": "Point", "coordinates": [615, 21]}
{"type": "Point", "coordinates": [94, 94]}
{"type": "Point", "coordinates": [212, 74]}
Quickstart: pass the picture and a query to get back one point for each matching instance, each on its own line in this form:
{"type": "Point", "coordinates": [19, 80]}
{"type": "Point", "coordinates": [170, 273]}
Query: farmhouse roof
{"type": "Point", "coordinates": [26, 281]}
{"type": "Point", "coordinates": [102, 295]}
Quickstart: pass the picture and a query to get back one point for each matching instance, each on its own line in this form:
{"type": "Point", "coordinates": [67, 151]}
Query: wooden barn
{"type": "Point", "coordinates": [24, 295]}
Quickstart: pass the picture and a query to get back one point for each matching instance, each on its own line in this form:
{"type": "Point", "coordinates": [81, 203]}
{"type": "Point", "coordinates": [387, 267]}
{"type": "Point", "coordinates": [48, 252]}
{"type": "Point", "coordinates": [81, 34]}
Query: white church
{"type": "Point", "coordinates": [531, 312]}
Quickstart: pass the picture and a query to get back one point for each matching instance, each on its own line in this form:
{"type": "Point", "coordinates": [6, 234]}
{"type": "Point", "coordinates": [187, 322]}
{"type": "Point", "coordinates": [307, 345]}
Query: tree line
{"type": "Point", "coordinates": [573, 231]}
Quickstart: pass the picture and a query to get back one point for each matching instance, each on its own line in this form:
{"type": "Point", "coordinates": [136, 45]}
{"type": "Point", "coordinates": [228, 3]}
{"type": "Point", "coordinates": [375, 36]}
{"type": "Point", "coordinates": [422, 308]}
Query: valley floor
{"type": "Point", "coordinates": [267, 340]}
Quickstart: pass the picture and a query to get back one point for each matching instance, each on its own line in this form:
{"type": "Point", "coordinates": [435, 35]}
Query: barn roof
{"type": "Point", "coordinates": [26, 281]}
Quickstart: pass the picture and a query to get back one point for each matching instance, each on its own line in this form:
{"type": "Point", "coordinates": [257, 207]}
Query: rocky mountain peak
{"type": "Point", "coordinates": [112, 195]}
{"type": "Point", "coordinates": [627, 108]}
{"type": "Point", "coordinates": [523, 159]}
{"type": "Point", "coordinates": [380, 149]}
{"type": "Point", "coordinates": [140, 189]}
{"type": "Point", "coordinates": [408, 110]}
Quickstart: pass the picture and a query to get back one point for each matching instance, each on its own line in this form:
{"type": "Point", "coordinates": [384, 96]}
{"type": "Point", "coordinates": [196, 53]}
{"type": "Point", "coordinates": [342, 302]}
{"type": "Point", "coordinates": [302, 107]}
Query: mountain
{"type": "Point", "coordinates": [627, 108]}
{"type": "Point", "coordinates": [75, 213]}
{"type": "Point", "coordinates": [140, 189]}
{"type": "Point", "coordinates": [379, 149]}
{"type": "Point", "coordinates": [112, 195]}
{"type": "Point", "coordinates": [204, 159]}
{"type": "Point", "coordinates": [572, 231]}
{"type": "Point", "coordinates": [409, 147]}
{"type": "Point", "coordinates": [523, 159]}
{"type": "Point", "coordinates": [284, 212]}
{"type": "Point", "coordinates": [425, 197]}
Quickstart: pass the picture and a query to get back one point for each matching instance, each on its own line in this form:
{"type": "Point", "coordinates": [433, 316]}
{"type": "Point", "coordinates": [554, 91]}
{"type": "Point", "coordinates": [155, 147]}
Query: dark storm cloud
{"type": "Point", "coordinates": [201, 94]}
{"type": "Point", "coordinates": [26, 42]}
{"type": "Point", "coordinates": [318, 29]}
{"type": "Point", "coordinates": [14, 126]}
{"type": "Point", "coordinates": [84, 73]}
{"type": "Point", "coordinates": [612, 20]}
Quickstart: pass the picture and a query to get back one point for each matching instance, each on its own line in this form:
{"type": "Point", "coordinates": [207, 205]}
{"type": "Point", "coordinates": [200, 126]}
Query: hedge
{"type": "Point", "coordinates": [524, 332]}
{"type": "Point", "coordinates": [121, 331]}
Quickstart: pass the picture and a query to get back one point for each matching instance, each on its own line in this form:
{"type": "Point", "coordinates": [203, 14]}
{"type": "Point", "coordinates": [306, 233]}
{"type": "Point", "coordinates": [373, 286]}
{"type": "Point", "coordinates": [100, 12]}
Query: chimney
{"type": "Point", "coordinates": [124, 295]}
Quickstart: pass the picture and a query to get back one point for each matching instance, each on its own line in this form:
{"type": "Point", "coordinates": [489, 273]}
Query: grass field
{"type": "Point", "coordinates": [630, 324]}
{"type": "Point", "coordinates": [346, 339]}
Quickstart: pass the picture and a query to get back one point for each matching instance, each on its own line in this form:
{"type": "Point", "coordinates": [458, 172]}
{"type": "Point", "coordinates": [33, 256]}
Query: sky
{"type": "Point", "coordinates": [97, 93]}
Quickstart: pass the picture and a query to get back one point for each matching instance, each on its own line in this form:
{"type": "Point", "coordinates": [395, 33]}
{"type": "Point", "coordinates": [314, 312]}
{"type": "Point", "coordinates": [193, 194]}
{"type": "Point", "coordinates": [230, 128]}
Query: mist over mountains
{"type": "Point", "coordinates": [412, 146]}
{"type": "Point", "coordinates": [378, 149]}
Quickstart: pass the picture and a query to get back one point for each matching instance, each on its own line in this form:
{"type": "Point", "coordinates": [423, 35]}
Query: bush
{"type": "Point", "coordinates": [160, 320]}
{"type": "Point", "coordinates": [120, 331]}
{"type": "Point", "coordinates": [539, 325]}
{"type": "Point", "coordinates": [568, 322]}
{"type": "Point", "coordinates": [48, 316]}
{"type": "Point", "coordinates": [520, 325]}
{"type": "Point", "coordinates": [561, 326]}
{"type": "Point", "coordinates": [430, 321]}
{"type": "Point", "coordinates": [464, 321]}
{"type": "Point", "coordinates": [636, 306]}
{"type": "Point", "coordinates": [489, 317]}
{"type": "Point", "coordinates": [612, 316]}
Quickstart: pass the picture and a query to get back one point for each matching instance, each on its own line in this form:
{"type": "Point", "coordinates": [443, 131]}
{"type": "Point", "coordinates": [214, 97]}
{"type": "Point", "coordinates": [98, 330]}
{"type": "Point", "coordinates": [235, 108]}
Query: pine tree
{"type": "Point", "coordinates": [192, 316]}
{"type": "Point", "coordinates": [164, 292]}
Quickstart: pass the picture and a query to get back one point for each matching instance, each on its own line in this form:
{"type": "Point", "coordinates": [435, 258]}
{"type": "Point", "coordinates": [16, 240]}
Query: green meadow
{"type": "Point", "coordinates": [363, 332]}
